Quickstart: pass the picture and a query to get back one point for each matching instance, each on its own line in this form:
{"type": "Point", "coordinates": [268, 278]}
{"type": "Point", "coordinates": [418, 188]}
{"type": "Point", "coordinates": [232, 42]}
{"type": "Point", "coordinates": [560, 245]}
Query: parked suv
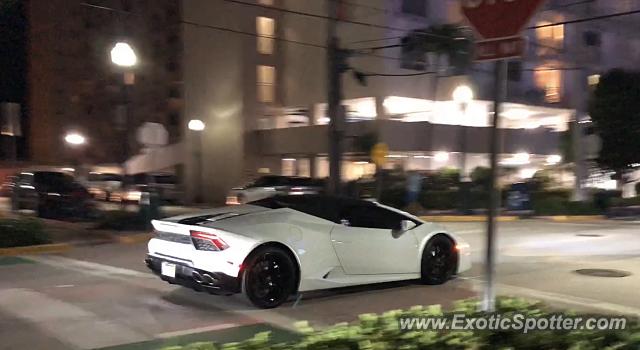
{"type": "Point", "coordinates": [51, 193]}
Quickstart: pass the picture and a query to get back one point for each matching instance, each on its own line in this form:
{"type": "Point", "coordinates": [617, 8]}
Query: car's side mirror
{"type": "Point", "coordinates": [406, 225]}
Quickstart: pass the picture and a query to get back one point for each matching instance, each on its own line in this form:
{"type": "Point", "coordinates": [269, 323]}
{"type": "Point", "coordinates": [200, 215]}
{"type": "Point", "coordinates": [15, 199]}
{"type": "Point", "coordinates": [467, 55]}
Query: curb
{"type": "Point", "coordinates": [574, 218]}
{"type": "Point", "coordinates": [65, 247]}
{"type": "Point", "coordinates": [466, 218]}
{"type": "Point", "coordinates": [36, 249]}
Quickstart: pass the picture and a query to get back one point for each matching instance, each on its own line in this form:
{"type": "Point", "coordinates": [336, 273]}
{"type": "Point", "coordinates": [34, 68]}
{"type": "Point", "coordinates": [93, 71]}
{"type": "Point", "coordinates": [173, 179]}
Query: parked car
{"type": "Point", "coordinates": [279, 246]}
{"type": "Point", "coordinates": [165, 185]}
{"type": "Point", "coordinates": [272, 185]}
{"type": "Point", "coordinates": [103, 185]}
{"type": "Point", "coordinates": [51, 193]}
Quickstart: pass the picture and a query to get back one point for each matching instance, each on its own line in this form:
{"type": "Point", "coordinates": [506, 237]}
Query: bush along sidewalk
{"type": "Point", "coordinates": [384, 331]}
{"type": "Point", "coordinates": [22, 232]}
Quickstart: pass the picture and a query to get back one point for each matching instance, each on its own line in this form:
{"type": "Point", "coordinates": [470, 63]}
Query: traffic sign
{"type": "Point", "coordinates": [499, 24]}
{"type": "Point", "coordinates": [379, 153]}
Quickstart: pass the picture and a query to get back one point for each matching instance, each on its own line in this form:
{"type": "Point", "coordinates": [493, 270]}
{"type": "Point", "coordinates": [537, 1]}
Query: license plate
{"type": "Point", "coordinates": [168, 270]}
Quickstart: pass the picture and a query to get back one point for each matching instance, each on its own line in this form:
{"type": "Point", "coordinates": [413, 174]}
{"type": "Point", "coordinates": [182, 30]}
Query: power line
{"type": "Point", "coordinates": [587, 19]}
{"type": "Point", "coordinates": [568, 5]}
{"type": "Point", "coordinates": [209, 26]}
{"type": "Point", "coordinates": [313, 15]}
{"type": "Point", "coordinates": [353, 4]}
{"type": "Point", "coordinates": [580, 20]}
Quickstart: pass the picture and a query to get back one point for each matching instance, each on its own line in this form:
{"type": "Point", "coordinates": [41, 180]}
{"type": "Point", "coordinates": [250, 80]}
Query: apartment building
{"type": "Point", "coordinates": [73, 87]}
{"type": "Point", "coordinates": [256, 75]}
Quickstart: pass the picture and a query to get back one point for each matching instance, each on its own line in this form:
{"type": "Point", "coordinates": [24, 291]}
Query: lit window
{"type": "Point", "coordinates": [594, 80]}
{"type": "Point", "coordinates": [266, 80]}
{"type": "Point", "coordinates": [549, 37]}
{"type": "Point", "coordinates": [265, 27]}
{"type": "Point", "coordinates": [266, 2]}
{"type": "Point", "coordinates": [549, 80]}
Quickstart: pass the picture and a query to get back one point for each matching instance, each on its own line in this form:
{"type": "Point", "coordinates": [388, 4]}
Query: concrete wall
{"type": "Point", "coordinates": [217, 79]}
{"type": "Point", "coordinates": [410, 137]}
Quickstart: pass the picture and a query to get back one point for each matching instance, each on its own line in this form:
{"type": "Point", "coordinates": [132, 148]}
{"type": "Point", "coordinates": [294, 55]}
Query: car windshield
{"type": "Point", "coordinates": [165, 179]}
{"type": "Point", "coordinates": [54, 181]}
{"type": "Point", "coordinates": [111, 177]}
{"type": "Point", "coordinates": [269, 181]}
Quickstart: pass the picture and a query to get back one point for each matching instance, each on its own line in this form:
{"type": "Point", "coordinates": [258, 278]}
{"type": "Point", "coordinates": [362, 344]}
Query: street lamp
{"type": "Point", "coordinates": [197, 126]}
{"type": "Point", "coordinates": [463, 95]}
{"type": "Point", "coordinates": [123, 55]}
{"type": "Point", "coordinates": [75, 139]}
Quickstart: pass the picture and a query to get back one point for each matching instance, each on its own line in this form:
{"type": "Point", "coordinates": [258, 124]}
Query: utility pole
{"type": "Point", "coordinates": [335, 63]}
{"type": "Point", "coordinates": [489, 297]}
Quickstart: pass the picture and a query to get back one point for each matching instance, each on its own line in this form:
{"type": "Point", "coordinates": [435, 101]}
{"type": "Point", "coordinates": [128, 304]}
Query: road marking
{"type": "Point", "coordinates": [586, 303]}
{"type": "Point", "coordinates": [68, 323]}
{"type": "Point", "coordinates": [153, 282]}
{"type": "Point", "coordinates": [464, 232]}
{"type": "Point", "coordinates": [217, 327]}
{"type": "Point", "coordinates": [88, 267]}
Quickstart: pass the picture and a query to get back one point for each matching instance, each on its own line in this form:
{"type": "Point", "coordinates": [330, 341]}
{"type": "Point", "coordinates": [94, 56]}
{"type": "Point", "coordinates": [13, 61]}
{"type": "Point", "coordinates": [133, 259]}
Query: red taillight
{"type": "Point", "coordinates": [216, 242]}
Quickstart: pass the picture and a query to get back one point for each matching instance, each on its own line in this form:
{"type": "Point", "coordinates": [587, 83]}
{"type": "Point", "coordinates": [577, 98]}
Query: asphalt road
{"type": "Point", "coordinates": [103, 296]}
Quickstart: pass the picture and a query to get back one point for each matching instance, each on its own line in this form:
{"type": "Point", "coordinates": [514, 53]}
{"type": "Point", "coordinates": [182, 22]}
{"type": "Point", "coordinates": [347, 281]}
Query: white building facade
{"type": "Point", "coordinates": [256, 75]}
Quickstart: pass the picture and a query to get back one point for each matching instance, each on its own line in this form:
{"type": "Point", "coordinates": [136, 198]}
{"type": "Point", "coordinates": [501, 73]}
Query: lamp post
{"type": "Point", "coordinates": [123, 55]}
{"type": "Point", "coordinates": [75, 140]}
{"type": "Point", "coordinates": [463, 95]}
{"type": "Point", "coordinates": [197, 126]}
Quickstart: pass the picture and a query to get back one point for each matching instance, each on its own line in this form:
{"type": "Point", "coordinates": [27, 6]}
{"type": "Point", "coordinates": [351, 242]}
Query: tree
{"type": "Point", "coordinates": [615, 110]}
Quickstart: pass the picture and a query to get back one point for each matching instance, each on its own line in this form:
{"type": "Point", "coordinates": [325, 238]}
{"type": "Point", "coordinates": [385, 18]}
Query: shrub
{"type": "Point", "coordinates": [121, 220]}
{"type": "Point", "coordinates": [22, 232]}
{"type": "Point", "coordinates": [602, 198]}
{"type": "Point", "coordinates": [481, 177]}
{"type": "Point", "coordinates": [444, 180]}
{"type": "Point", "coordinates": [549, 206]}
{"type": "Point", "coordinates": [439, 200]}
{"type": "Point", "coordinates": [373, 331]}
{"type": "Point", "coordinates": [625, 202]}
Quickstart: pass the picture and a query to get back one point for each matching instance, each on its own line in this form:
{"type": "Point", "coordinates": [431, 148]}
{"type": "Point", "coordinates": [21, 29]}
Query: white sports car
{"type": "Point", "coordinates": [275, 247]}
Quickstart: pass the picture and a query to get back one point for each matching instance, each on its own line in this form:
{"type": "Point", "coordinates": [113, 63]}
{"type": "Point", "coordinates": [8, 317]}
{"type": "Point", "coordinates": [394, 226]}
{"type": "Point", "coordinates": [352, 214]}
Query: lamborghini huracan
{"type": "Point", "coordinates": [280, 246]}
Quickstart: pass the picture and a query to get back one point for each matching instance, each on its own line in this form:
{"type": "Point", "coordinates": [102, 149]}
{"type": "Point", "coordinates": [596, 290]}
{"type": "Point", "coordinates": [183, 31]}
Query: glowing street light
{"type": "Point", "coordinates": [441, 157]}
{"type": "Point", "coordinates": [75, 139]}
{"type": "Point", "coordinates": [463, 94]}
{"type": "Point", "coordinates": [196, 125]}
{"type": "Point", "coordinates": [122, 55]}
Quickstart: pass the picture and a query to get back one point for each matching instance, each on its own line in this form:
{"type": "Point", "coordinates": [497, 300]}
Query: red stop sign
{"type": "Point", "coordinates": [494, 19]}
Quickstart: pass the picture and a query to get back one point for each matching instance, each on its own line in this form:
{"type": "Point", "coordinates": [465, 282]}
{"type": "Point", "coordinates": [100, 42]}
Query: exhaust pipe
{"type": "Point", "coordinates": [208, 279]}
{"type": "Point", "coordinates": [197, 277]}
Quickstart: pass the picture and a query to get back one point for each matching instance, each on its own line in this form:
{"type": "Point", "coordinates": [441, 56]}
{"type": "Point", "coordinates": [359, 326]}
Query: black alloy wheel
{"type": "Point", "coordinates": [439, 260]}
{"type": "Point", "coordinates": [269, 277]}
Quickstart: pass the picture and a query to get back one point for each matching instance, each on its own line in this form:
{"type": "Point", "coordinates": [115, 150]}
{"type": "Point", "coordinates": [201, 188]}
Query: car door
{"type": "Point", "coordinates": [369, 241]}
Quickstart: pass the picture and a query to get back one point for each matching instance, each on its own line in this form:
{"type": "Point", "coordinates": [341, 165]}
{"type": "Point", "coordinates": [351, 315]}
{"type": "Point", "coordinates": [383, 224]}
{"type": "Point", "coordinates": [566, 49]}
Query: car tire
{"type": "Point", "coordinates": [439, 260]}
{"type": "Point", "coordinates": [269, 277]}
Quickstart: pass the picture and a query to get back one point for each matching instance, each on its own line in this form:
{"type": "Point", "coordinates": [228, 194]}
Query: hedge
{"type": "Point", "coordinates": [122, 220]}
{"type": "Point", "coordinates": [22, 232]}
{"type": "Point", "coordinates": [625, 202]}
{"type": "Point", "coordinates": [373, 331]}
